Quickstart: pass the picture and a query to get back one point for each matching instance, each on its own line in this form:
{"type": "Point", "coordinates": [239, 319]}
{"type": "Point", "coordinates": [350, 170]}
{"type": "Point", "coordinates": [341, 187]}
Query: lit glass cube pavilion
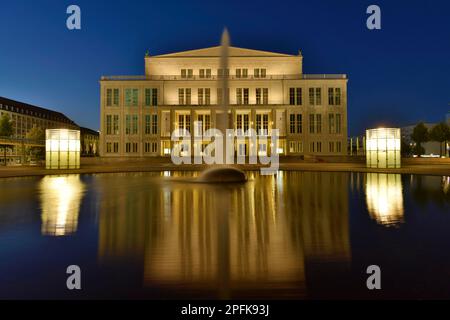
{"type": "Point", "coordinates": [383, 148]}
{"type": "Point", "coordinates": [62, 149]}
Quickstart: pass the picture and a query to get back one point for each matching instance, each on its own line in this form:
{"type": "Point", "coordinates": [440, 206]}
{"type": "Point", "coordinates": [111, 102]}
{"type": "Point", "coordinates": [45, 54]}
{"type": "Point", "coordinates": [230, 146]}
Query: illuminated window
{"type": "Point", "coordinates": [108, 97]}
{"type": "Point", "coordinates": [131, 97]}
{"type": "Point", "coordinates": [154, 124]}
{"type": "Point", "coordinates": [315, 96]}
{"type": "Point", "coordinates": [62, 148]}
{"type": "Point", "coordinates": [151, 96]}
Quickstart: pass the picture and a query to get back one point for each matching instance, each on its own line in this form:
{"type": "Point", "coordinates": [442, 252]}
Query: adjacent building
{"type": "Point", "coordinates": [25, 117]}
{"type": "Point", "coordinates": [181, 91]}
{"type": "Point", "coordinates": [89, 142]}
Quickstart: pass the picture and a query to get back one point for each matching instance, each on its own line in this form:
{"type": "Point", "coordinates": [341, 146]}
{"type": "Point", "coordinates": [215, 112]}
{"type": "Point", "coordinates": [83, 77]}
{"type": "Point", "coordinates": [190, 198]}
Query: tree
{"type": "Point", "coordinates": [6, 131]}
{"type": "Point", "coordinates": [440, 133]}
{"type": "Point", "coordinates": [419, 136]}
{"type": "Point", "coordinates": [405, 148]}
{"type": "Point", "coordinates": [37, 134]}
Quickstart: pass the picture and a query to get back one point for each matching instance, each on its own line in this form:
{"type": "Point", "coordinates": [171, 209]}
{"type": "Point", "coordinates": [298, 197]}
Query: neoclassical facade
{"type": "Point", "coordinates": [182, 90]}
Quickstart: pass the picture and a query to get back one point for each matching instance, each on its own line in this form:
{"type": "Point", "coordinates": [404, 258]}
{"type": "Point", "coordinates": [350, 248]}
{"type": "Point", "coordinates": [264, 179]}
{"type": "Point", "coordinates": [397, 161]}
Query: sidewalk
{"type": "Point", "coordinates": [97, 165]}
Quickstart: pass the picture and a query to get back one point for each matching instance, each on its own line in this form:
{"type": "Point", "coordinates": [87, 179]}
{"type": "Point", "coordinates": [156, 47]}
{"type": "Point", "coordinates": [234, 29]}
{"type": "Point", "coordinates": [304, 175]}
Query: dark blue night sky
{"type": "Point", "coordinates": [398, 75]}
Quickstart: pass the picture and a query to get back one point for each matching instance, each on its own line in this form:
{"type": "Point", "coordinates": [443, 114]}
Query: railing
{"type": "Point", "coordinates": [19, 141]}
{"type": "Point", "coordinates": [231, 77]}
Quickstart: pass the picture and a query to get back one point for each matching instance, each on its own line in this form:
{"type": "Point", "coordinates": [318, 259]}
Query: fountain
{"type": "Point", "coordinates": [223, 172]}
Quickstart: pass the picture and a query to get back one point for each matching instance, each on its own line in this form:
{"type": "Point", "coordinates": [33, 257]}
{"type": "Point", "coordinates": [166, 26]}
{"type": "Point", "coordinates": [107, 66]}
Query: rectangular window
{"type": "Point", "coordinates": [108, 97]}
{"type": "Point", "coordinates": [298, 98]}
{"type": "Point", "coordinates": [331, 96]}
{"type": "Point", "coordinates": [311, 96]}
{"type": "Point", "coordinates": [292, 123]}
{"type": "Point", "coordinates": [244, 73]}
{"type": "Point", "coordinates": [265, 96]}
{"type": "Point", "coordinates": [154, 124]}
{"type": "Point", "coordinates": [181, 96]}
{"type": "Point", "coordinates": [154, 147]}
{"type": "Point", "coordinates": [147, 147]}
{"type": "Point", "coordinates": [128, 124]}
{"type": "Point", "coordinates": [258, 123]}
{"type": "Point", "coordinates": [295, 123]}
{"type": "Point", "coordinates": [238, 95]}
{"type": "Point", "coordinates": [219, 95]}
{"type": "Point", "coordinates": [315, 96]}
{"type": "Point", "coordinates": [147, 125]}
{"type": "Point", "coordinates": [108, 124]}
{"type": "Point", "coordinates": [331, 124]}
{"type": "Point", "coordinates": [208, 73]}
{"type": "Point", "coordinates": [184, 123]}
{"type": "Point", "coordinates": [188, 96]}
{"type": "Point", "coordinates": [151, 96]}
{"type": "Point", "coordinates": [200, 96]}
{"type": "Point", "coordinates": [135, 147]}
{"type": "Point", "coordinates": [337, 97]}
{"type": "Point", "coordinates": [338, 123]}
{"type": "Point", "coordinates": [242, 122]}
{"type": "Point", "coordinates": [148, 97]}
{"type": "Point", "coordinates": [187, 73]}
{"type": "Point", "coordinates": [331, 146]}
{"type": "Point", "coordinates": [338, 146]}
{"type": "Point", "coordinates": [256, 73]}
{"type": "Point", "coordinates": [154, 96]}
{"type": "Point", "coordinates": [135, 124]}
{"type": "Point", "coordinates": [292, 96]}
{"type": "Point", "coordinates": [311, 123]}
{"type": "Point", "coordinates": [258, 96]}
{"type": "Point", "coordinates": [207, 96]}
{"type": "Point", "coordinates": [131, 97]}
{"type": "Point", "coordinates": [263, 73]}
{"type": "Point", "coordinates": [201, 73]}
{"type": "Point", "coordinates": [318, 123]}
{"type": "Point", "coordinates": [128, 147]}
{"type": "Point", "coordinates": [116, 124]}
{"type": "Point", "coordinates": [116, 97]}
{"type": "Point", "coordinates": [108, 147]}
{"type": "Point", "coordinates": [116, 147]}
{"type": "Point", "coordinates": [245, 90]}
{"type": "Point", "coordinates": [238, 73]}
{"type": "Point", "coordinates": [299, 123]}
{"type": "Point", "coordinates": [221, 73]}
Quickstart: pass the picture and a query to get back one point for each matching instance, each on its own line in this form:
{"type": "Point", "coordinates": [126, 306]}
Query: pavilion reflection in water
{"type": "Point", "coordinates": [384, 198]}
{"type": "Point", "coordinates": [229, 239]}
{"type": "Point", "coordinates": [60, 198]}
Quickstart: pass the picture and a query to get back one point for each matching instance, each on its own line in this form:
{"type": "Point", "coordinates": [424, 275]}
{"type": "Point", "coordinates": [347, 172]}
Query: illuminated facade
{"type": "Point", "coordinates": [62, 149]}
{"type": "Point", "coordinates": [181, 91]}
{"type": "Point", "coordinates": [383, 148]}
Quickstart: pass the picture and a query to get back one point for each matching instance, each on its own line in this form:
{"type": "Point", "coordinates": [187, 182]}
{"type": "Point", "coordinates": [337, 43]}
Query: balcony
{"type": "Point", "coordinates": [231, 77]}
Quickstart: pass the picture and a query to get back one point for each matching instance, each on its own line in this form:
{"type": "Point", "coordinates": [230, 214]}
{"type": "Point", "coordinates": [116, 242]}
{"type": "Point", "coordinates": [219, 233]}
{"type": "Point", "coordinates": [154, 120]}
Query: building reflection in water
{"type": "Point", "coordinates": [233, 240]}
{"type": "Point", "coordinates": [384, 198]}
{"type": "Point", "coordinates": [60, 198]}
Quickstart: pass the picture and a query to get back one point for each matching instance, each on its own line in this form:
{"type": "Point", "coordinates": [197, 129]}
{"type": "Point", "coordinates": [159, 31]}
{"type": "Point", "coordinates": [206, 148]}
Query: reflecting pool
{"type": "Point", "coordinates": [295, 235]}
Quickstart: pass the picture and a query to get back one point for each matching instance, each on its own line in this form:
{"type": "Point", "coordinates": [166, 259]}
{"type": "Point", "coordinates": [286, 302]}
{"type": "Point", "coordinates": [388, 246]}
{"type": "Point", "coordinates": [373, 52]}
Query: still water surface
{"type": "Point", "coordinates": [296, 235]}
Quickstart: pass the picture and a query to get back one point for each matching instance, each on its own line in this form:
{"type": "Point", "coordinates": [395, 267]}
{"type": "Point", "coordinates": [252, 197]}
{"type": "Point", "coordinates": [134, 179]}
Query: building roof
{"type": "Point", "coordinates": [33, 111]}
{"type": "Point", "coordinates": [216, 52]}
{"type": "Point", "coordinates": [89, 131]}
